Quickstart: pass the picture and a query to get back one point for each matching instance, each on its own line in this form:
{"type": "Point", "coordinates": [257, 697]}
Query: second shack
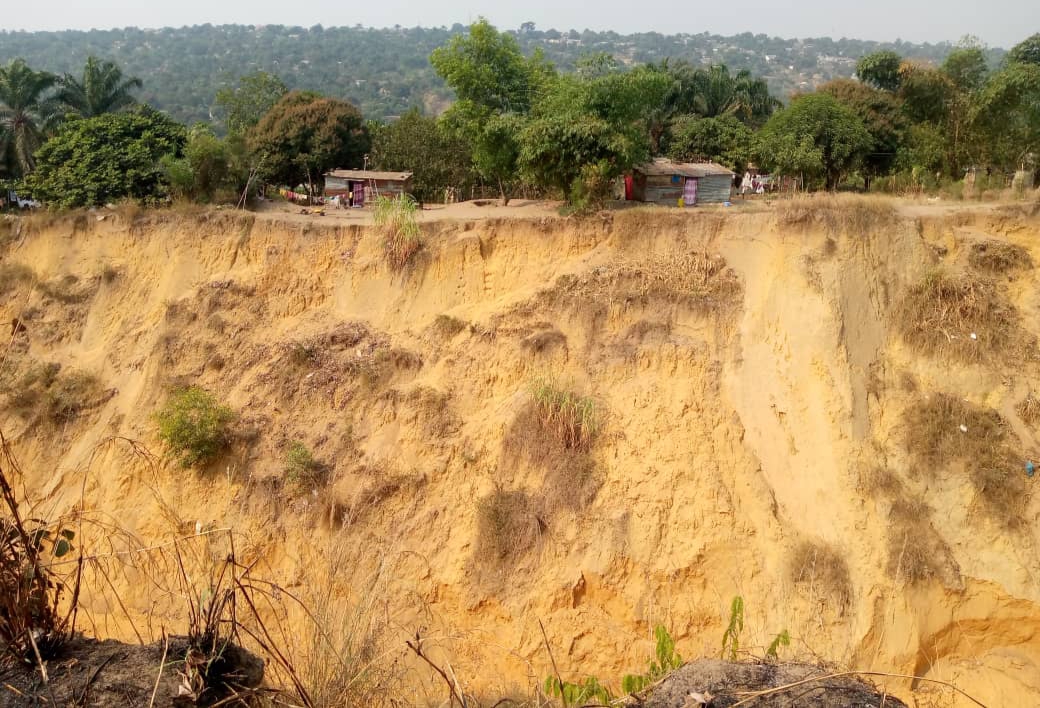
{"type": "Point", "coordinates": [665, 182]}
{"type": "Point", "coordinates": [366, 185]}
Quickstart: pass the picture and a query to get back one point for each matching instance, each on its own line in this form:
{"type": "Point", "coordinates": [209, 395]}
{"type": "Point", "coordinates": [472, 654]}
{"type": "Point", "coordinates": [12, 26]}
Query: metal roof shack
{"type": "Point", "coordinates": [687, 183]}
{"type": "Point", "coordinates": [366, 185]}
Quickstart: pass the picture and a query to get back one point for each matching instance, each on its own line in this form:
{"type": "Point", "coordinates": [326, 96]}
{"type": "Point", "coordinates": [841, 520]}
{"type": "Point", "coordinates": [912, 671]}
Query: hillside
{"type": "Point", "coordinates": [823, 406]}
{"type": "Point", "coordinates": [386, 71]}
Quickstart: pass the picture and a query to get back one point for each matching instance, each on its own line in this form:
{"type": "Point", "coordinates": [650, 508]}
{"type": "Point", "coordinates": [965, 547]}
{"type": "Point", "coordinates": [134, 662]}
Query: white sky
{"type": "Point", "coordinates": [1000, 23]}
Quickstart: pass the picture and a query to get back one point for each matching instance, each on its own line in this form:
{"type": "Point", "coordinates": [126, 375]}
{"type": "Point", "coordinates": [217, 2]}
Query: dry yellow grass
{"type": "Point", "coordinates": [943, 431]}
{"type": "Point", "coordinates": [850, 214]}
{"type": "Point", "coordinates": [823, 571]}
{"type": "Point", "coordinates": [997, 257]}
{"type": "Point", "coordinates": [963, 317]}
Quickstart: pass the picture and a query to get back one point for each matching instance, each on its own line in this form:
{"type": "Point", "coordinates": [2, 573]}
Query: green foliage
{"type": "Point", "coordinates": [300, 466]}
{"type": "Point", "coordinates": [834, 130]}
{"type": "Point", "coordinates": [495, 85]}
{"type": "Point", "coordinates": [725, 140]}
{"type": "Point", "coordinates": [100, 89]}
{"type": "Point", "coordinates": [880, 70]}
{"type": "Point", "coordinates": [1026, 52]}
{"type": "Point", "coordinates": [783, 639]}
{"type": "Point", "coordinates": [731, 637]}
{"type": "Point", "coordinates": [304, 135]}
{"type": "Point", "coordinates": [438, 158]}
{"type": "Point", "coordinates": [881, 113]}
{"type": "Point", "coordinates": [93, 161]}
{"type": "Point", "coordinates": [1009, 114]}
{"type": "Point", "coordinates": [577, 694]}
{"type": "Point", "coordinates": [194, 426]}
{"type": "Point", "coordinates": [245, 104]}
{"type": "Point", "coordinates": [666, 660]}
{"type": "Point", "coordinates": [402, 236]}
{"type": "Point", "coordinates": [209, 165]}
{"type": "Point", "coordinates": [26, 112]}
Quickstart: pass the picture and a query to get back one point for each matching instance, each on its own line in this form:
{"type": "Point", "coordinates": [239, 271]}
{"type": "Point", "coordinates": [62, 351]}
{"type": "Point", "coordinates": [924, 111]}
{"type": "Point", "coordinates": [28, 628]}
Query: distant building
{"type": "Point", "coordinates": [665, 182]}
{"type": "Point", "coordinates": [366, 185]}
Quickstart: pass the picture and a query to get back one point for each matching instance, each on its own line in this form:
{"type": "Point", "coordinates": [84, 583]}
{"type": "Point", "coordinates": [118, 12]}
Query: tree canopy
{"type": "Point", "coordinates": [26, 112]}
{"type": "Point", "coordinates": [92, 161]}
{"type": "Point", "coordinates": [305, 134]}
{"type": "Point", "coordinates": [101, 88]}
{"type": "Point", "coordinates": [245, 104]}
{"type": "Point", "coordinates": [833, 130]}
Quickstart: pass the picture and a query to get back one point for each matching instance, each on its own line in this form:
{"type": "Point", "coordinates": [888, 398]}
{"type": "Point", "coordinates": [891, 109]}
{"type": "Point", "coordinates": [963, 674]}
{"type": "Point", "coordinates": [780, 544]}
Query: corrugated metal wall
{"type": "Point", "coordinates": [714, 189]}
{"type": "Point", "coordinates": [663, 190]}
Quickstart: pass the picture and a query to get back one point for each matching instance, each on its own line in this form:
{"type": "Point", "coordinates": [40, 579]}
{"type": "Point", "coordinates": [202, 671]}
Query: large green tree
{"type": "Point", "coordinates": [305, 135]}
{"type": "Point", "coordinates": [92, 161]}
{"type": "Point", "coordinates": [724, 140]}
{"type": "Point", "coordinates": [882, 115]}
{"type": "Point", "coordinates": [1008, 113]}
{"type": "Point", "coordinates": [26, 113]}
{"type": "Point", "coordinates": [245, 104]}
{"type": "Point", "coordinates": [437, 157]}
{"type": "Point", "coordinates": [101, 88]}
{"type": "Point", "coordinates": [495, 85]}
{"type": "Point", "coordinates": [819, 120]}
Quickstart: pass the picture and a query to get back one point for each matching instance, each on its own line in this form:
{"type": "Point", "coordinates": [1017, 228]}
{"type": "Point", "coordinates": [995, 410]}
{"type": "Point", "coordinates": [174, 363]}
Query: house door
{"type": "Point", "coordinates": [690, 192]}
{"type": "Point", "coordinates": [358, 188]}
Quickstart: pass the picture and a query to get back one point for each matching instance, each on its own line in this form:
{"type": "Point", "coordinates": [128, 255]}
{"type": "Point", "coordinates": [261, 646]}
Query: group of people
{"type": "Point", "coordinates": [751, 184]}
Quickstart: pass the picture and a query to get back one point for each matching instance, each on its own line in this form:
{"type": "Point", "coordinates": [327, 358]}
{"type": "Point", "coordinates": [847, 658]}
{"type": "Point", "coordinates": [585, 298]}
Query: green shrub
{"type": "Point", "coordinates": [194, 425]}
{"type": "Point", "coordinates": [402, 237]}
{"type": "Point", "coordinates": [300, 466]}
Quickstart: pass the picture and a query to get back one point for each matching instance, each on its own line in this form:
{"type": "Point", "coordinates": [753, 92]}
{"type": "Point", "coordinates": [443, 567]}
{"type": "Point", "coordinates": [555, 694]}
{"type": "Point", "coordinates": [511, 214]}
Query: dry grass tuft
{"type": "Point", "coordinates": [944, 430]}
{"type": "Point", "coordinates": [43, 392]}
{"type": "Point", "coordinates": [823, 570]}
{"type": "Point", "coordinates": [850, 214]}
{"type": "Point", "coordinates": [14, 276]}
{"type": "Point", "coordinates": [939, 315]}
{"type": "Point", "coordinates": [574, 420]}
{"type": "Point", "coordinates": [1028, 409]}
{"type": "Point", "coordinates": [508, 526]}
{"type": "Point", "coordinates": [544, 340]}
{"type": "Point", "coordinates": [571, 478]}
{"type": "Point", "coordinates": [447, 326]}
{"type": "Point", "coordinates": [996, 257]}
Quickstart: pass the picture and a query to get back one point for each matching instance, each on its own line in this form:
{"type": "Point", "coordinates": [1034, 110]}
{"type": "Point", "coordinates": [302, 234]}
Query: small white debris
{"type": "Point", "coordinates": [974, 336]}
{"type": "Point", "coordinates": [964, 428]}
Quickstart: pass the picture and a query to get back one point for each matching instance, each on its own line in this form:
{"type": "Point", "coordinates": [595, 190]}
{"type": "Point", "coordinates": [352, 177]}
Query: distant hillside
{"type": "Point", "coordinates": [386, 71]}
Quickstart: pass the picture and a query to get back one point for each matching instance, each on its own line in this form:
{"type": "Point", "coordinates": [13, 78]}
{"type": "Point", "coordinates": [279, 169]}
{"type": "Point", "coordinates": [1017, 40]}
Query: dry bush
{"type": "Point", "coordinates": [68, 290]}
{"type": "Point", "coordinates": [944, 430]}
{"type": "Point", "coordinates": [824, 571]}
{"type": "Point", "coordinates": [879, 481]}
{"type": "Point", "coordinates": [836, 213]}
{"type": "Point", "coordinates": [997, 257]}
{"type": "Point", "coordinates": [14, 276]}
{"type": "Point", "coordinates": [544, 340]}
{"type": "Point", "coordinates": [402, 237]}
{"type": "Point", "coordinates": [434, 411]}
{"type": "Point", "coordinates": [380, 365]}
{"type": "Point", "coordinates": [508, 526]}
{"type": "Point", "coordinates": [694, 280]}
{"type": "Point", "coordinates": [44, 392]}
{"type": "Point", "coordinates": [1028, 409]}
{"type": "Point", "coordinates": [32, 625]}
{"type": "Point", "coordinates": [939, 315]}
{"type": "Point", "coordinates": [447, 326]}
{"type": "Point", "coordinates": [571, 477]}
{"type": "Point", "coordinates": [912, 555]}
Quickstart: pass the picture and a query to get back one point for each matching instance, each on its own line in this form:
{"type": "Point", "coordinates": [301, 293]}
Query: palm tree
{"type": "Point", "coordinates": [26, 113]}
{"type": "Point", "coordinates": [101, 90]}
{"type": "Point", "coordinates": [742, 96]}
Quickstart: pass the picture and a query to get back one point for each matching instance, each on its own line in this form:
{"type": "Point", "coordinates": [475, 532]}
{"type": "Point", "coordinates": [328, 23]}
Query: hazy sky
{"type": "Point", "coordinates": [999, 23]}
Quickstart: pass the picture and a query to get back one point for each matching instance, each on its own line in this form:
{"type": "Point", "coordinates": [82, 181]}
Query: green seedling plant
{"type": "Point", "coordinates": [576, 694]}
{"type": "Point", "coordinates": [731, 637]}
{"type": "Point", "coordinates": [666, 660]}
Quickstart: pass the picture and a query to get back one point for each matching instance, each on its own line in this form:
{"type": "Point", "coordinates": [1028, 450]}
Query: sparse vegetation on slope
{"type": "Point", "coordinates": [194, 425]}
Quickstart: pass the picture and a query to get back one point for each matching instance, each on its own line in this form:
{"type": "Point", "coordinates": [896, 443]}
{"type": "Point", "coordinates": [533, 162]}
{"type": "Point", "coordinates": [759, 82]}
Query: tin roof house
{"type": "Point", "coordinates": [366, 185]}
{"type": "Point", "coordinates": [688, 183]}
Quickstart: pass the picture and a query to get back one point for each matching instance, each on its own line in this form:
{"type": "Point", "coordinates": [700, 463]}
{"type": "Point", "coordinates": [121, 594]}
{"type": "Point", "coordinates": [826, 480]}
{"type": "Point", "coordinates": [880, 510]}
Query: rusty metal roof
{"type": "Point", "coordinates": [370, 174]}
{"type": "Point", "coordinates": [663, 167]}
